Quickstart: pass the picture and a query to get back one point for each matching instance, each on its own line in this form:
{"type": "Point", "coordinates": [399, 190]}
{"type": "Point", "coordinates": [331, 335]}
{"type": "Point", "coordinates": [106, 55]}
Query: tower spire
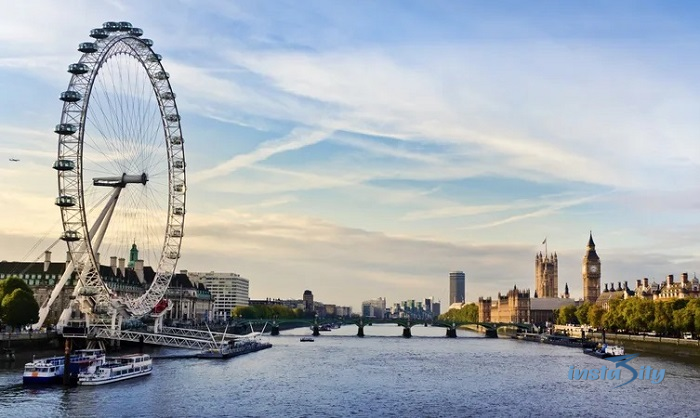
{"type": "Point", "coordinates": [590, 239]}
{"type": "Point", "coordinates": [133, 255]}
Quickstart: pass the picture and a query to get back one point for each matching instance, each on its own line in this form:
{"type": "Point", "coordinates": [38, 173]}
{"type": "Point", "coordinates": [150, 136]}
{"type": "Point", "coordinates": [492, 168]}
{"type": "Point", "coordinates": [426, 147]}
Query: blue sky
{"type": "Point", "coordinates": [365, 149]}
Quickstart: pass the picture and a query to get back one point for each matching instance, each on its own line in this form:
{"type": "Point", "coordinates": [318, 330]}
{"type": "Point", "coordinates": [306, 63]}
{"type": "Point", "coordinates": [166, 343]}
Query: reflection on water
{"type": "Point", "coordinates": [382, 374]}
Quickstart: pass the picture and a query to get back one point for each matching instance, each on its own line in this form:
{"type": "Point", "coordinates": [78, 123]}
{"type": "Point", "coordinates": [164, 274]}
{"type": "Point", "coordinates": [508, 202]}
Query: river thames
{"type": "Point", "coordinates": [382, 374]}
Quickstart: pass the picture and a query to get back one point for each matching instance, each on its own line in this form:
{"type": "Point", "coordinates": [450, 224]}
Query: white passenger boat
{"type": "Point", "coordinates": [606, 351]}
{"type": "Point", "coordinates": [116, 369]}
{"type": "Point", "coordinates": [51, 369]}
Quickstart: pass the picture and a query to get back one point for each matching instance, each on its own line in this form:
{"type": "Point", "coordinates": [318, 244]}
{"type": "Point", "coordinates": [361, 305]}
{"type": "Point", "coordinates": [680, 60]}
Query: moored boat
{"type": "Point", "coordinates": [51, 369]}
{"type": "Point", "coordinates": [235, 347]}
{"type": "Point", "coordinates": [605, 351]}
{"type": "Point", "coordinates": [116, 369]}
{"type": "Point", "coordinates": [561, 340]}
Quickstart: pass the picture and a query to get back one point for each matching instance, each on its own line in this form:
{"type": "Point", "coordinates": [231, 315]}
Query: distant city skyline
{"type": "Point", "coordinates": [368, 148]}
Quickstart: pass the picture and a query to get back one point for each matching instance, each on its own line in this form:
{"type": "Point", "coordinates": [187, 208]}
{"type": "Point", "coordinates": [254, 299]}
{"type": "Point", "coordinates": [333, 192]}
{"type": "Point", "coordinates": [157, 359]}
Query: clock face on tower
{"type": "Point", "coordinates": [593, 269]}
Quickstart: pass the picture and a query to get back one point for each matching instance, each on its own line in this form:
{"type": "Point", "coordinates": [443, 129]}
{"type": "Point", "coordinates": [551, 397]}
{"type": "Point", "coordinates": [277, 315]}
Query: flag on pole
{"type": "Point", "coordinates": [544, 242]}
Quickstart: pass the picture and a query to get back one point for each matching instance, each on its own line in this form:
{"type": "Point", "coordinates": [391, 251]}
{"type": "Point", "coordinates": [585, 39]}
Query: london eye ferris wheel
{"type": "Point", "coordinates": [121, 169]}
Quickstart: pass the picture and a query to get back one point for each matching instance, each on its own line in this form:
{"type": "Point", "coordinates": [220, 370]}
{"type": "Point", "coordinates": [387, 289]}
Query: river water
{"type": "Point", "coordinates": [383, 374]}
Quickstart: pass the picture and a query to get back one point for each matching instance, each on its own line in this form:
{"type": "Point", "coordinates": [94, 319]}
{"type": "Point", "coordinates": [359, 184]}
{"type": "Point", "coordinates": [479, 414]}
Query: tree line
{"type": "Point", "coordinates": [667, 317]}
{"type": "Point", "coordinates": [468, 313]}
{"type": "Point", "coordinates": [268, 311]}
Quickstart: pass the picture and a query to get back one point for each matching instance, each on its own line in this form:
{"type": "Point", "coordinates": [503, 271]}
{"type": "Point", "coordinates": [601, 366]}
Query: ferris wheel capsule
{"type": "Point", "coordinates": [99, 33]}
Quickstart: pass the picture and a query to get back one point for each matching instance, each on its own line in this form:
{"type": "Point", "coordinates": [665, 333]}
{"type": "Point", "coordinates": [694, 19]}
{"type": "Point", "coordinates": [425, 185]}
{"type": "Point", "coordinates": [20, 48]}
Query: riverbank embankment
{"type": "Point", "coordinates": [677, 347]}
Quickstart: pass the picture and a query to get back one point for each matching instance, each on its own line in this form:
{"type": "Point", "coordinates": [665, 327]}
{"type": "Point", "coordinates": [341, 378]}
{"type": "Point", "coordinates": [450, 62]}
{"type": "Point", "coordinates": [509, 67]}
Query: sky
{"type": "Point", "coordinates": [365, 149]}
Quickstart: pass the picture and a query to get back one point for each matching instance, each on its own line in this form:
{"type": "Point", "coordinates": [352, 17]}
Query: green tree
{"type": "Point", "coordinates": [266, 312]}
{"type": "Point", "coordinates": [613, 319]}
{"type": "Point", "coordinates": [567, 315]}
{"type": "Point", "coordinates": [646, 313]}
{"type": "Point", "coordinates": [20, 308]}
{"type": "Point", "coordinates": [595, 316]}
{"type": "Point", "coordinates": [637, 313]}
{"type": "Point", "coordinates": [684, 319]}
{"type": "Point", "coordinates": [468, 313]}
{"type": "Point", "coordinates": [663, 317]}
{"type": "Point", "coordinates": [7, 287]}
{"type": "Point", "coordinates": [694, 307]}
{"type": "Point", "coordinates": [582, 313]}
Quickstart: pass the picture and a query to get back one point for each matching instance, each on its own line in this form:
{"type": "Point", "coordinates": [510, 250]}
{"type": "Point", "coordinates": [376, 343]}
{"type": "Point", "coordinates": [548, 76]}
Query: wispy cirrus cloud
{"type": "Point", "coordinates": [298, 138]}
{"type": "Point", "coordinates": [546, 210]}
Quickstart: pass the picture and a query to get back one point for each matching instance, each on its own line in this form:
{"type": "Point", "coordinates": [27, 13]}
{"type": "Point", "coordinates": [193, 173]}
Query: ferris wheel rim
{"type": "Point", "coordinates": [110, 42]}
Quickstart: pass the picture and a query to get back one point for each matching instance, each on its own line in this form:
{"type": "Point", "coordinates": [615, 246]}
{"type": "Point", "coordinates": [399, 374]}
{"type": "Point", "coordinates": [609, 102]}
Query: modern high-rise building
{"type": "Point", "coordinates": [457, 287]}
{"type": "Point", "coordinates": [436, 308]}
{"type": "Point", "coordinates": [229, 290]}
{"type": "Point", "coordinates": [308, 299]}
{"type": "Point", "coordinates": [374, 308]}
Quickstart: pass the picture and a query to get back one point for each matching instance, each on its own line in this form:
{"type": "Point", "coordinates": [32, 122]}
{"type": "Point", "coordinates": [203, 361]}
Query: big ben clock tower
{"type": "Point", "coordinates": [591, 273]}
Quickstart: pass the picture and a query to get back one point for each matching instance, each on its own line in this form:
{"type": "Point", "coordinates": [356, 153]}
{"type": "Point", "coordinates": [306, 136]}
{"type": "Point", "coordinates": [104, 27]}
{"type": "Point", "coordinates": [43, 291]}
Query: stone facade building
{"type": "Point", "coordinates": [120, 279]}
{"type": "Point", "coordinates": [513, 307]}
{"type": "Point", "coordinates": [546, 276]}
{"type": "Point", "coordinates": [591, 273]}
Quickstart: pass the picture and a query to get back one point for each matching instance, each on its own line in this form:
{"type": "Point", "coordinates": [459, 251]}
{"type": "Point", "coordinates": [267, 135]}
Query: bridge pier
{"type": "Point", "coordinates": [275, 330]}
{"type": "Point", "coordinates": [451, 333]}
{"type": "Point", "coordinates": [66, 362]}
{"type": "Point", "coordinates": [360, 331]}
{"type": "Point", "coordinates": [316, 332]}
{"type": "Point", "coordinates": [407, 332]}
{"type": "Point", "coordinates": [491, 333]}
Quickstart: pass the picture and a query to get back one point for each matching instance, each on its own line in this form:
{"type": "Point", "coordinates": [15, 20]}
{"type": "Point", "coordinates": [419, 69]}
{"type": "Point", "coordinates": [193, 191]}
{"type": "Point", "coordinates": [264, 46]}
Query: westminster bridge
{"type": "Point", "coordinates": [316, 324]}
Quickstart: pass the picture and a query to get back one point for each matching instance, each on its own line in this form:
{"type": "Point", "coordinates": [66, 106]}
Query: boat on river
{"type": "Point", "coordinates": [605, 351]}
{"type": "Point", "coordinates": [237, 346]}
{"type": "Point", "coordinates": [51, 369]}
{"type": "Point", "coordinates": [233, 348]}
{"type": "Point", "coordinates": [555, 340]}
{"type": "Point", "coordinates": [116, 369]}
{"type": "Point", "coordinates": [306, 339]}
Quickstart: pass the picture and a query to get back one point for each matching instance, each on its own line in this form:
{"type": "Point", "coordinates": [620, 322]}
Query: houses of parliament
{"type": "Point", "coordinates": [519, 306]}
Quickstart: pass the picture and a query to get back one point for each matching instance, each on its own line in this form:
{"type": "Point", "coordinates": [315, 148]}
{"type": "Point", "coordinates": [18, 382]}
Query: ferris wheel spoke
{"type": "Point", "coordinates": [107, 134]}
